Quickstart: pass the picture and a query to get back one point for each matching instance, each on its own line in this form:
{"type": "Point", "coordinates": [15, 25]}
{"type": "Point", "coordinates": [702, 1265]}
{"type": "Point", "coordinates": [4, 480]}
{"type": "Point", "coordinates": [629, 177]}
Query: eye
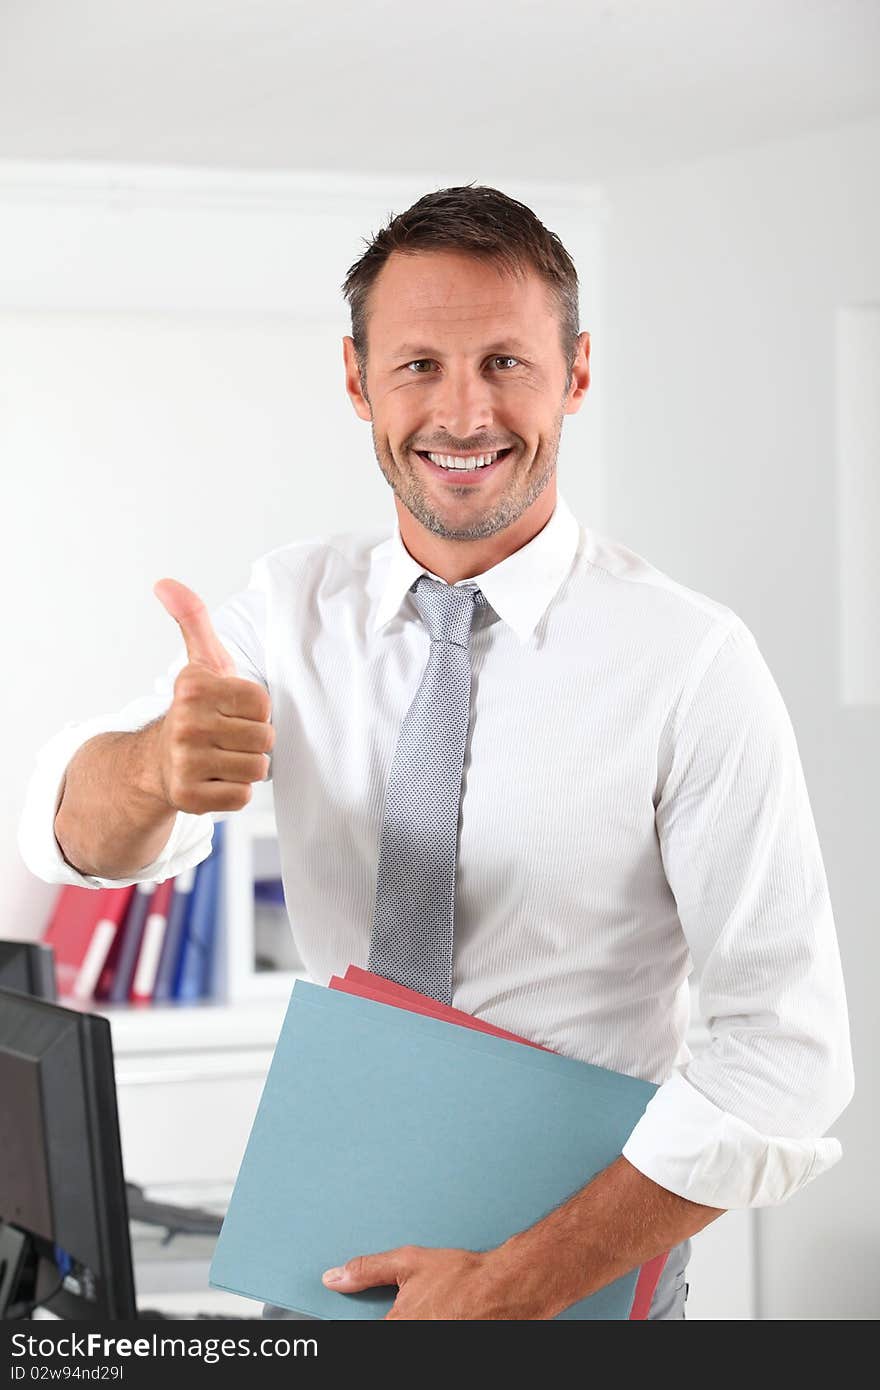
{"type": "Point", "coordinates": [426, 361]}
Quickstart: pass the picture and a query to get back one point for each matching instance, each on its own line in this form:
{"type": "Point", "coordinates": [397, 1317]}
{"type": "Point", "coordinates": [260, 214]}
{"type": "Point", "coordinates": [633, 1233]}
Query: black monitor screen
{"type": "Point", "coordinates": [61, 1178]}
{"type": "Point", "coordinates": [29, 967]}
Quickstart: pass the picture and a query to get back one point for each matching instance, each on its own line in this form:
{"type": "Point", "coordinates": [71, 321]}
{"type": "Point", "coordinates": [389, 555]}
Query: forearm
{"type": "Point", "coordinates": [617, 1222]}
{"type": "Point", "coordinates": [113, 817]}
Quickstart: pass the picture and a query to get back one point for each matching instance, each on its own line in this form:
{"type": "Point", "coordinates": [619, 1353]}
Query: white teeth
{"type": "Point", "coordinates": [463, 465]}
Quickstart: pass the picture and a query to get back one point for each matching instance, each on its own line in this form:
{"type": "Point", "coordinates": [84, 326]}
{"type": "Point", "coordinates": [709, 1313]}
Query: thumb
{"type": "Point", "coordinates": [366, 1272]}
{"type": "Point", "coordinates": [203, 646]}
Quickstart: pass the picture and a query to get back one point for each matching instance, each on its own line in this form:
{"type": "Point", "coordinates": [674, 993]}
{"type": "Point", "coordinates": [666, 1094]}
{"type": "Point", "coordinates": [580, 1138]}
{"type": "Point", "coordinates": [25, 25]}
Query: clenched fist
{"type": "Point", "coordinates": [214, 739]}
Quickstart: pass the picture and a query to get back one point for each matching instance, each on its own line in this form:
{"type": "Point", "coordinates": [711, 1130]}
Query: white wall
{"type": "Point", "coordinates": [172, 402]}
{"type": "Point", "coordinates": [718, 364]}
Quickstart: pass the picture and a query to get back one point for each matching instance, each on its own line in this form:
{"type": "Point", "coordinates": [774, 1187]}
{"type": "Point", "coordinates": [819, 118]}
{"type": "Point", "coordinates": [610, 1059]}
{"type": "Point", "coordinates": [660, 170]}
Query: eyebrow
{"type": "Point", "coordinates": [416, 350]}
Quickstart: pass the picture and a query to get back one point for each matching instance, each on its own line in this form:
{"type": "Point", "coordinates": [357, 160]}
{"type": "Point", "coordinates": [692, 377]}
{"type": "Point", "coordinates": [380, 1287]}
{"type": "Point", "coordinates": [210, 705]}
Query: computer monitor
{"type": "Point", "coordinates": [29, 967]}
{"type": "Point", "coordinates": [64, 1237]}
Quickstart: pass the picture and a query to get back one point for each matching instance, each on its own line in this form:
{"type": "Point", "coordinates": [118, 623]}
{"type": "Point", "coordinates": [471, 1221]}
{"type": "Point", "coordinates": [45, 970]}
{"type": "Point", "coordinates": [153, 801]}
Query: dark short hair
{"type": "Point", "coordinates": [480, 222]}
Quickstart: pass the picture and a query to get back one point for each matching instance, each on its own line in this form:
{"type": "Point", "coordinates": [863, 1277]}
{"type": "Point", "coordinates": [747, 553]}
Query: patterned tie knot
{"type": "Point", "coordinates": [447, 610]}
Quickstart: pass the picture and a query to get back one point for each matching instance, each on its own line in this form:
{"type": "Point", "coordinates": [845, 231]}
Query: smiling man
{"type": "Point", "coordinates": [515, 766]}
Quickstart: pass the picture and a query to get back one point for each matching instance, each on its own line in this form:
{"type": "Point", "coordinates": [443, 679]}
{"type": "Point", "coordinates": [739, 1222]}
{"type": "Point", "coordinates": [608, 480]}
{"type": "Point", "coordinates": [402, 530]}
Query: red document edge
{"type": "Point", "coordinates": [367, 985]}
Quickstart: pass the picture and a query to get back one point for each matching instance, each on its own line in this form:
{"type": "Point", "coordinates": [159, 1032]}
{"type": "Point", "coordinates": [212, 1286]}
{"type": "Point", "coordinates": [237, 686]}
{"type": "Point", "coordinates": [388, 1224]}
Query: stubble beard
{"type": "Point", "coordinates": [518, 497]}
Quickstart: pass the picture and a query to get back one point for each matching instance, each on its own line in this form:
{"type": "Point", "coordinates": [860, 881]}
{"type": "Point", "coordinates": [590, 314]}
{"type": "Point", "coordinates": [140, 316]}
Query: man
{"type": "Point", "coordinates": [499, 721]}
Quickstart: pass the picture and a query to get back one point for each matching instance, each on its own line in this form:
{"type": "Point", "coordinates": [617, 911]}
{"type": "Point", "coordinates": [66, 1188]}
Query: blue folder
{"type": "Point", "coordinates": [378, 1128]}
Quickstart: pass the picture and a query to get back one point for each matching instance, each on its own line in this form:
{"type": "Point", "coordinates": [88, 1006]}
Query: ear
{"type": "Point", "coordinates": [580, 376]}
{"type": "Point", "coordinates": [353, 381]}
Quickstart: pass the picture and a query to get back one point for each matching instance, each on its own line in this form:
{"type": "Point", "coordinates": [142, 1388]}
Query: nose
{"type": "Point", "coordinates": [463, 404]}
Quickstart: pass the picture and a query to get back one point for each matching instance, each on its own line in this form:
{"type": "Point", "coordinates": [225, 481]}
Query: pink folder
{"type": "Point", "coordinates": [371, 986]}
{"type": "Point", "coordinates": [357, 981]}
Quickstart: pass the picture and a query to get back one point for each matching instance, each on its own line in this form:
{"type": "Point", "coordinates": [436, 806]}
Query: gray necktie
{"type": "Point", "coordinates": [415, 886]}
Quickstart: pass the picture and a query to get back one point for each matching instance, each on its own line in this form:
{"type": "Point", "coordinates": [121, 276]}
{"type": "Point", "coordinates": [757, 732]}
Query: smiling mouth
{"type": "Point", "coordinates": [464, 463]}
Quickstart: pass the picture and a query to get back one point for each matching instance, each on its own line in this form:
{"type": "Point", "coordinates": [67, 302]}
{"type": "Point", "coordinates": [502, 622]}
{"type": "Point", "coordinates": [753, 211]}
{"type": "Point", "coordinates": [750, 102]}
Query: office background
{"type": "Point", "coordinates": [179, 203]}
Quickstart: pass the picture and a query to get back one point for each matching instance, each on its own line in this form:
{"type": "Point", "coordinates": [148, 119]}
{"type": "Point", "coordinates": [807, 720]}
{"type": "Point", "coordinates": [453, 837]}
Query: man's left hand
{"type": "Point", "coordinates": [438, 1284]}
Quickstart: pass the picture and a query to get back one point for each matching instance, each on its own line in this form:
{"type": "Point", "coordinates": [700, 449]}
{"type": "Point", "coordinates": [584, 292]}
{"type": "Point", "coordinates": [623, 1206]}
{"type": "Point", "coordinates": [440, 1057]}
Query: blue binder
{"type": "Point", "coordinates": [197, 948]}
{"type": "Point", "coordinates": [378, 1127]}
{"type": "Point", "coordinates": [175, 936]}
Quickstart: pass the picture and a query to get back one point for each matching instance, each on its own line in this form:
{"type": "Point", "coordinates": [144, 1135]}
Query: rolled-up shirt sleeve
{"type": "Point", "coordinates": [240, 626]}
{"type": "Point", "coordinates": [742, 1123]}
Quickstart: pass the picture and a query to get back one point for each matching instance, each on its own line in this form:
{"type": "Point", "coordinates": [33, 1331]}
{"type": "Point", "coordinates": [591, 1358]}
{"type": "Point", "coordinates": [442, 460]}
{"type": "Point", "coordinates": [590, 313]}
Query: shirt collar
{"type": "Point", "coordinates": [518, 588]}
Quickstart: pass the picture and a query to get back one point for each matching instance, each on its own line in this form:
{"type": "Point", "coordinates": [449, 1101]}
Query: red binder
{"type": "Point", "coordinates": [371, 986]}
{"type": "Point", "coordinates": [81, 931]}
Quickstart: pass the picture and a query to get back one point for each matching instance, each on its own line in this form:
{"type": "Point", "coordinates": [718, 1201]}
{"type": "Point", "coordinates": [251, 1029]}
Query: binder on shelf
{"type": "Point", "coordinates": [144, 978]}
{"type": "Point", "coordinates": [197, 959]}
{"type": "Point", "coordinates": [118, 985]}
{"type": "Point", "coordinates": [108, 969]}
{"type": "Point", "coordinates": [168, 968]}
{"type": "Point", "coordinates": [379, 1127]}
{"type": "Point", "coordinates": [81, 931]}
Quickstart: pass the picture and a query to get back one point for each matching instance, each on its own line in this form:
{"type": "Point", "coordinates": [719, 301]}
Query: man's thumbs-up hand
{"type": "Point", "coordinates": [203, 647]}
{"type": "Point", "coordinates": [216, 735]}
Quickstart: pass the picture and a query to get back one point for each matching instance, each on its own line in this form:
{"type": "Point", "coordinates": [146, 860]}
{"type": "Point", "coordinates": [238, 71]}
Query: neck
{"type": "Point", "coordinates": [453, 560]}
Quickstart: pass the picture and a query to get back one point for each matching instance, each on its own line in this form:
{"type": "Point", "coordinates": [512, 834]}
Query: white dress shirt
{"type": "Point", "coordinates": [633, 808]}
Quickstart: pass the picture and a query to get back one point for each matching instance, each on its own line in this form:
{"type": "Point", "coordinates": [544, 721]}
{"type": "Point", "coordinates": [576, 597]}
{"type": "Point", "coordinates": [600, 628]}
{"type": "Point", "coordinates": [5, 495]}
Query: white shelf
{"type": "Point", "coordinates": [193, 1026]}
